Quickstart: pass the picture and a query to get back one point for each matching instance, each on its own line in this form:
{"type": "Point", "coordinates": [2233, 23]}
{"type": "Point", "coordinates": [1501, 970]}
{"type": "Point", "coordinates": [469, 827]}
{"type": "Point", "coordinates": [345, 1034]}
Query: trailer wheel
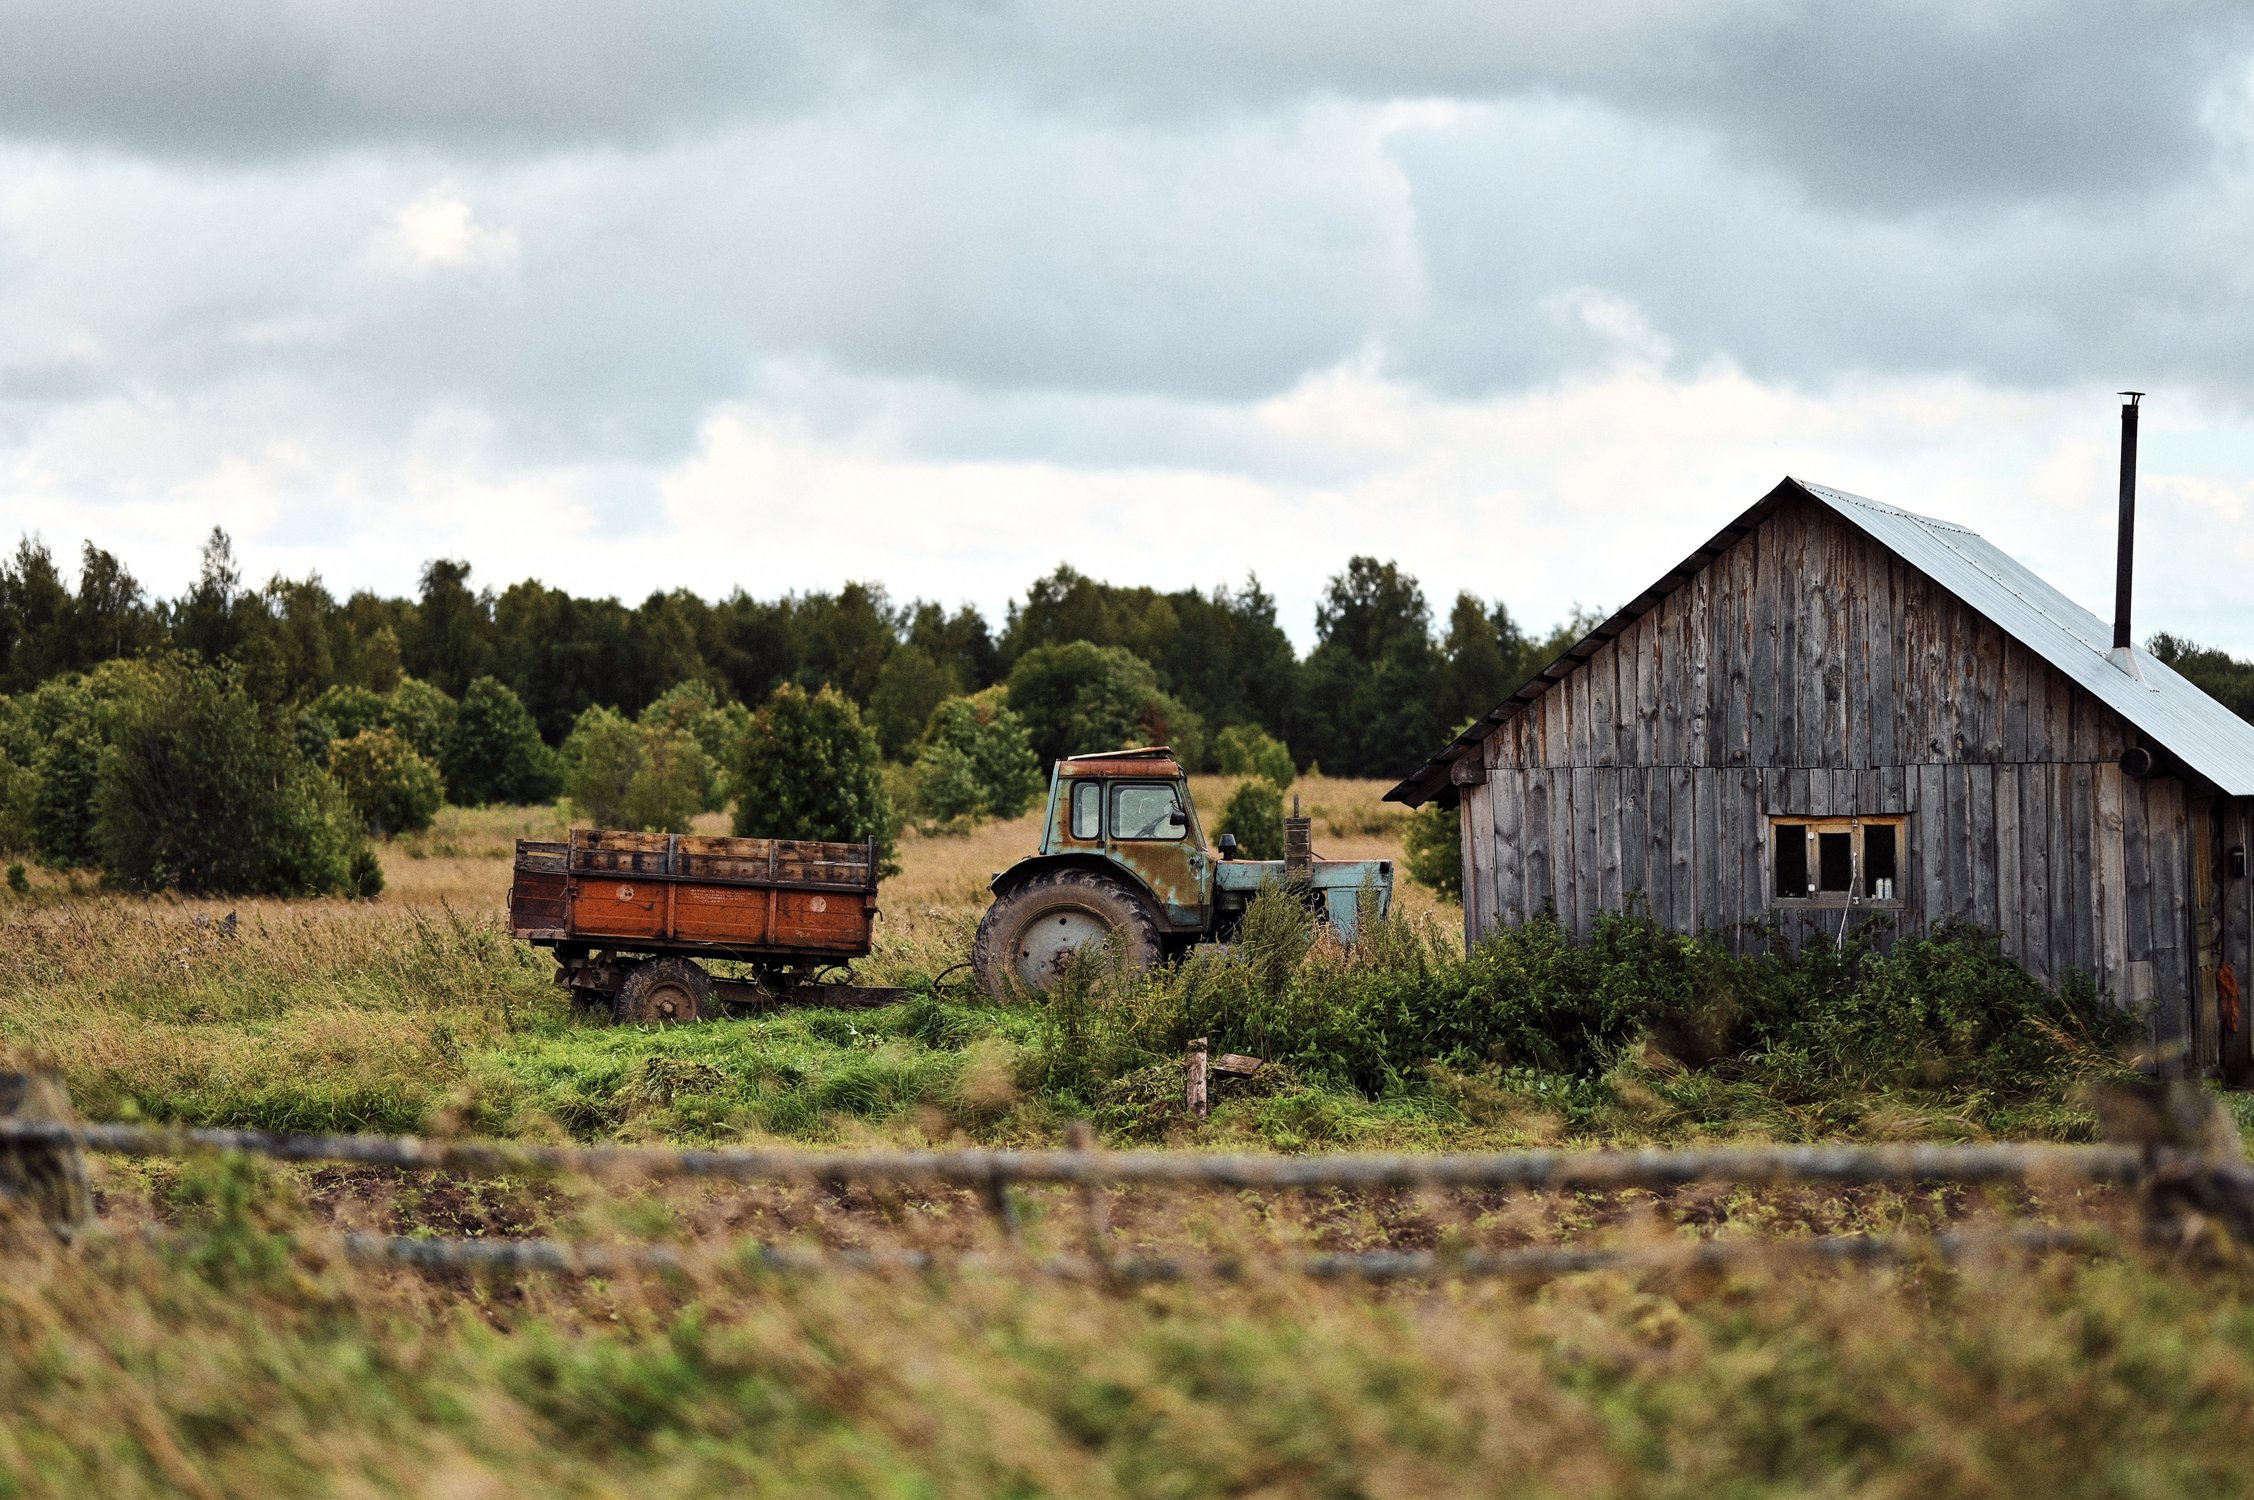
{"type": "Point", "coordinates": [1029, 935]}
{"type": "Point", "coordinates": [663, 989]}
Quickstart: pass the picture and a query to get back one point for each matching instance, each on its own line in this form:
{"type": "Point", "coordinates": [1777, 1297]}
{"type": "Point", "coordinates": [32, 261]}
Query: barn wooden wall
{"type": "Point", "coordinates": [1807, 670]}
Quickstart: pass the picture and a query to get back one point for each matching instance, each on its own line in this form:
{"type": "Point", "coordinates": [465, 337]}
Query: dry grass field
{"type": "Point", "coordinates": [248, 1358]}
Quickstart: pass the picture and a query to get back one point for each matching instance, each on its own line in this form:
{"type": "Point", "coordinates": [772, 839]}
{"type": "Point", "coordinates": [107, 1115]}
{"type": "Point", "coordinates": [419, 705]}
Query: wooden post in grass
{"type": "Point", "coordinates": [1194, 1088]}
{"type": "Point", "coordinates": [49, 1177]}
{"type": "Point", "coordinates": [1095, 1204]}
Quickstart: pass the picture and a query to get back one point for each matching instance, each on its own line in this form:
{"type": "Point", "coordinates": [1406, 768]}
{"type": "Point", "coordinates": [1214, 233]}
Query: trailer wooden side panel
{"type": "Point", "coordinates": [720, 897]}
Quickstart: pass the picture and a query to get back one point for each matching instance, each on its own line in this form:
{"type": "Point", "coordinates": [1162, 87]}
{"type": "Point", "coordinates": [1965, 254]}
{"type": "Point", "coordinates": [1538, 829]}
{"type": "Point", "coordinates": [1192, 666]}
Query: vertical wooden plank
{"type": "Point", "coordinates": [2169, 828]}
{"type": "Point", "coordinates": [1565, 867]}
{"type": "Point", "coordinates": [1964, 870]}
{"type": "Point", "coordinates": [1587, 858]}
{"type": "Point", "coordinates": [1511, 900]}
{"type": "Point", "coordinates": [2035, 869]}
{"type": "Point", "coordinates": [1684, 840]}
{"type": "Point", "coordinates": [1635, 835]}
{"type": "Point", "coordinates": [1603, 675]}
{"type": "Point", "coordinates": [1737, 733]}
{"type": "Point", "coordinates": [1707, 815]}
{"type": "Point", "coordinates": [2018, 665]}
{"type": "Point", "coordinates": [1604, 809]}
{"type": "Point", "coordinates": [1932, 822]}
{"type": "Point", "coordinates": [2109, 880]}
{"type": "Point", "coordinates": [1860, 693]}
{"type": "Point", "coordinates": [1536, 834]}
{"type": "Point", "coordinates": [1791, 592]}
{"type": "Point", "coordinates": [1763, 633]}
{"type": "Point", "coordinates": [1660, 861]}
{"type": "Point", "coordinates": [1986, 897]}
{"type": "Point", "coordinates": [1480, 896]}
{"type": "Point", "coordinates": [1753, 850]}
{"type": "Point", "coordinates": [2070, 873]}
{"type": "Point", "coordinates": [2011, 908]}
{"type": "Point", "coordinates": [1697, 668]}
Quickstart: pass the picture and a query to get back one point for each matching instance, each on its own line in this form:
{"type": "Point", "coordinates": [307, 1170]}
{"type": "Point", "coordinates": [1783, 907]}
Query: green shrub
{"type": "Point", "coordinates": [1945, 1012]}
{"type": "Point", "coordinates": [198, 791]}
{"type": "Point", "coordinates": [423, 715]}
{"type": "Point", "coordinates": [600, 757]}
{"type": "Point", "coordinates": [1249, 750]}
{"type": "Point", "coordinates": [339, 713]}
{"type": "Point", "coordinates": [1077, 698]}
{"type": "Point", "coordinates": [668, 789]}
{"type": "Point", "coordinates": [62, 809]}
{"type": "Point", "coordinates": [808, 768]}
{"type": "Point", "coordinates": [976, 762]}
{"type": "Point", "coordinates": [1433, 849]}
{"type": "Point", "coordinates": [495, 753]}
{"type": "Point", "coordinates": [693, 708]}
{"type": "Point", "coordinates": [651, 776]}
{"type": "Point", "coordinates": [908, 690]}
{"type": "Point", "coordinates": [390, 787]}
{"type": "Point", "coordinates": [1255, 814]}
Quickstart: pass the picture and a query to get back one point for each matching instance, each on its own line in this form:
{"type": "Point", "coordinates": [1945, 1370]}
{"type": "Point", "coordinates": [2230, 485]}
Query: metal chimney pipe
{"type": "Point", "coordinates": [2124, 566]}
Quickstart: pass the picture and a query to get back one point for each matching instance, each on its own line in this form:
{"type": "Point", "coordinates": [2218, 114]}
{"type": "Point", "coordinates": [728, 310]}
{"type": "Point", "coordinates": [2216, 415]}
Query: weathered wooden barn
{"type": "Point", "coordinates": [1836, 709]}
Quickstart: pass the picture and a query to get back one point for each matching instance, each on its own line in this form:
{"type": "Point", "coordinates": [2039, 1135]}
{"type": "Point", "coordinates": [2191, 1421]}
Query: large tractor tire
{"type": "Point", "coordinates": [1029, 935]}
{"type": "Point", "coordinates": [661, 990]}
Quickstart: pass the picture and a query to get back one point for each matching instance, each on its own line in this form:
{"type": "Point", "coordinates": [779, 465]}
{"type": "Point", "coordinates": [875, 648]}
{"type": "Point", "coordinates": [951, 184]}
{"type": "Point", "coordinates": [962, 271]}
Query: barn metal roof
{"type": "Point", "coordinates": [2165, 707]}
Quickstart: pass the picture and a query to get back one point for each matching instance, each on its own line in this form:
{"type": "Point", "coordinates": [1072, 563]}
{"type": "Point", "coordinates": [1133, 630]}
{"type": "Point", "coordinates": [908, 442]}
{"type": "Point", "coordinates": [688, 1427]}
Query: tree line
{"type": "Point", "coordinates": [1385, 684]}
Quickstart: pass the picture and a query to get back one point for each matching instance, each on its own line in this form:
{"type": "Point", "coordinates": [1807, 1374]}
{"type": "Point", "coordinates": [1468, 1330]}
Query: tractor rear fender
{"type": "Point", "coordinates": [1041, 864]}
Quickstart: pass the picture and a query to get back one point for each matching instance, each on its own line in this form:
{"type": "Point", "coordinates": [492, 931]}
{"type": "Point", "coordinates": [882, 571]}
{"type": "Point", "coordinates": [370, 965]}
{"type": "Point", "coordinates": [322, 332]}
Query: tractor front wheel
{"type": "Point", "coordinates": [1029, 935]}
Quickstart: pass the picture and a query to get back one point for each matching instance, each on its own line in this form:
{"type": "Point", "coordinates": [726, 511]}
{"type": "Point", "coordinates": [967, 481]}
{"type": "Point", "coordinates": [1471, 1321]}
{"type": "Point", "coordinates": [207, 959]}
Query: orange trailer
{"type": "Point", "coordinates": [634, 918]}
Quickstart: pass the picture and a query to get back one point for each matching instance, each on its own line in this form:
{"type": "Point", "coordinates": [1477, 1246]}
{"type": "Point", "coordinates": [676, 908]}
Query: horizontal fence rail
{"type": "Point", "coordinates": [1835, 1165]}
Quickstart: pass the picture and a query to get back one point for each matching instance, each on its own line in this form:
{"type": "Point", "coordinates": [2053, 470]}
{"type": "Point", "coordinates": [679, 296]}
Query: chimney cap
{"type": "Point", "coordinates": [2134, 396]}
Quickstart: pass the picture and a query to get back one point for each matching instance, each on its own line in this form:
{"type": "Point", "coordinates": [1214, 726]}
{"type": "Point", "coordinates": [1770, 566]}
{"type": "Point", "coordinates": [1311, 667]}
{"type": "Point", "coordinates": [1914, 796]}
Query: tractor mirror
{"type": "Point", "coordinates": [1228, 846]}
{"type": "Point", "coordinates": [1177, 819]}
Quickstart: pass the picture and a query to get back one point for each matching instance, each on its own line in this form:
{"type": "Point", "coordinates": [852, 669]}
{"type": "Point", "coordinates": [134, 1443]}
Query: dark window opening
{"type": "Point", "coordinates": [1879, 875]}
{"type": "Point", "coordinates": [1835, 861]}
{"type": "Point", "coordinates": [1792, 859]}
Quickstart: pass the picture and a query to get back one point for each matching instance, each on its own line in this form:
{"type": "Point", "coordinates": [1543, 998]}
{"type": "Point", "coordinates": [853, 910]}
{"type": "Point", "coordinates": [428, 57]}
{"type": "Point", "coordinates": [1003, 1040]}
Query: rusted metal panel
{"type": "Point", "coordinates": [746, 898]}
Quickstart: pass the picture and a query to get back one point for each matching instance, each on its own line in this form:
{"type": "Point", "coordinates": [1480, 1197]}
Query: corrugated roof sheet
{"type": "Point", "coordinates": [2164, 706]}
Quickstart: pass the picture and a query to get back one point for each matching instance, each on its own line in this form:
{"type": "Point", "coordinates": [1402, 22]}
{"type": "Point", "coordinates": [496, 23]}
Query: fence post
{"type": "Point", "coordinates": [1095, 1203]}
{"type": "Point", "coordinates": [50, 1176]}
{"type": "Point", "coordinates": [1194, 1086]}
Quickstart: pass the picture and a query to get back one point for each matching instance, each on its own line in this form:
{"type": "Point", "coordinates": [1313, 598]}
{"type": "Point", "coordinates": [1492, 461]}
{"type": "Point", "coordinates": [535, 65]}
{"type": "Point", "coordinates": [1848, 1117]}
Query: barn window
{"type": "Point", "coordinates": [1836, 861]}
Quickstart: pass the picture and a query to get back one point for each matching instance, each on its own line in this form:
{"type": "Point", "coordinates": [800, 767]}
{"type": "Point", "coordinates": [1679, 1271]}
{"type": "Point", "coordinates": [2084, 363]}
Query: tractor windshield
{"type": "Point", "coordinates": [1146, 812]}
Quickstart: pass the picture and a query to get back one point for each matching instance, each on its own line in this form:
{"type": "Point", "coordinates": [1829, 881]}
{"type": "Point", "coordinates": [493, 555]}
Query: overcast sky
{"type": "Point", "coordinates": [1531, 297]}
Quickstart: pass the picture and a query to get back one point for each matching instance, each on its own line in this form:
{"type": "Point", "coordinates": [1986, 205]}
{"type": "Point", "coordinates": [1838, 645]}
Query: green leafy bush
{"type": "Point", "coordinates": [693, 708]}
{"type": "Point", "coordinates": [808, 768]}
{"type": "Point", "coordinates": [390, 787]}
{"type": "Point", "coordinates": [1255, 814]}
{"type": "Point", "coordinates": [652, 775]}
{"type": "Point", "coordinates": [909, 689]}
{"type": "Point", "coordinates": [600, 758]}
{"type": "Point", "coordinates": [1249, 750]}
{"type": "Point", "coordinates": [1433, 849]}
{"type": "Point", "coordinates": [1944, 1012]}
{"type": "Point", "coordinates": [199, 791]}
{"type": "Point", "coordinates": [338, 714]}
{"type": "Point", "coordinates": [495, 753]}
{"type": "Point", "coordinates": [62, 809]}
{"type": "Point", "coordinates": [1077, 698]}
{"type": "Point", "coordinates": [976, 762]}
{"type": "Point", "coordinates": [424, 717]}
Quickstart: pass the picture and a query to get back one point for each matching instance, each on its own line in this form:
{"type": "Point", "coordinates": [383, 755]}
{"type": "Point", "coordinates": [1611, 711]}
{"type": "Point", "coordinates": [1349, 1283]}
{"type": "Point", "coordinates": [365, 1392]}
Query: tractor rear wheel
{"type": "Point", "coordinates": [1029, 935]}
{"type": "Point", "coordinates": [663, 989]}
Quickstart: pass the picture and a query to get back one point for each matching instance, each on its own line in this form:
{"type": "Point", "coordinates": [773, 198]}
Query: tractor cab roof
{"type": "Point", "coordinates": [1147, 760]}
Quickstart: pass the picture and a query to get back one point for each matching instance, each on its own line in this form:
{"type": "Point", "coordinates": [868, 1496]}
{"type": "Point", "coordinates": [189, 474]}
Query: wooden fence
{"type": "Point", "coordinates": [2177, 1181]}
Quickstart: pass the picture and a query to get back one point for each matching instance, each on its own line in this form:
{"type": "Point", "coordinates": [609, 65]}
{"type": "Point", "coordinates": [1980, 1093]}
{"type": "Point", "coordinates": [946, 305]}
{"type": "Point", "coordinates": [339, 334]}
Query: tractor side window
{"type": "Point", "coordinates": [1087, 809]}
{"type": "Point", "coordinates": [1146, 812]}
